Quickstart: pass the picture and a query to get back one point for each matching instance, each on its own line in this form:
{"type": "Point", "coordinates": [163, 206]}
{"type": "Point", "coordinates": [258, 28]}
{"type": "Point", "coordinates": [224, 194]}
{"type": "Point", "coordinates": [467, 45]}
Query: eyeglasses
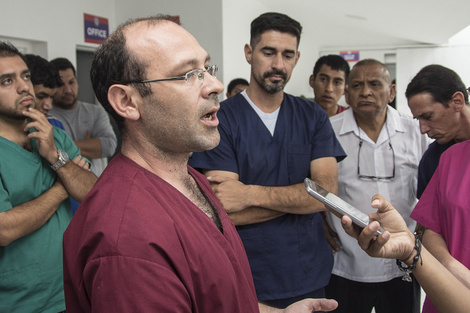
{"type": "Point", "coordinates": [190, 77]}
{"type": "Point", "coordinates": [370, 177]}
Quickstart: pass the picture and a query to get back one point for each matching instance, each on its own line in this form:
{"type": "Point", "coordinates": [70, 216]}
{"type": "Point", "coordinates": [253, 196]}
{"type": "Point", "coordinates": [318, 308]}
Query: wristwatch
{"type": "Point", "coordinates": [63, 159]}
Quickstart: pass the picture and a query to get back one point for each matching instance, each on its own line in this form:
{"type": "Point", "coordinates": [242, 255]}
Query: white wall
{"type": "Point", "coordinates": [202, 18]}
{"type": "Point", "coordinates": [411, 60]}
{"type": "Point", "coordinates": [237, 17]}
{"type": "Point", "coordinates": [54, 28]}
{"type": "Point", "coordinates": [56, 23]}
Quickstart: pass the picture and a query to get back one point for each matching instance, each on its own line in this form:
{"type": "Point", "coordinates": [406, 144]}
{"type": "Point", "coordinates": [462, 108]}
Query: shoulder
{"type": "Point", "coordinates": [234, 103]}
{"type": "Point", "coordinates": [54, 121]}
{"type": "Point", "coordinates": [339, 119]}
{"type": "Point", "coordinates": [458, 150]}
{"type": "Point", "coordinates": [60, 134]}
{"type": "Point", "coordinates": [310, 109]}
{"type": "Point", "coordinates": [90, 107]}
{"type": "Point", "coordinates": [406, 120]}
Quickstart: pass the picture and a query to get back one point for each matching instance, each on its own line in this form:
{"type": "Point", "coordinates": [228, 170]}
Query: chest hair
{"type": "Point", "coordinates": [197, 197]}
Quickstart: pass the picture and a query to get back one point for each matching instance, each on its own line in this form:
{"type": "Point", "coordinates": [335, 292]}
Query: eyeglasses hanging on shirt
{"type": "Point", "coordinates": [387, 173]}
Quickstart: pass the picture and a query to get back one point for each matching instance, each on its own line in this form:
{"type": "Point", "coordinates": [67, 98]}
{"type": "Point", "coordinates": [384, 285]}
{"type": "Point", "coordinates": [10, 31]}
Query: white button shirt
{"type": "Point", "coordinates": [376, 159]}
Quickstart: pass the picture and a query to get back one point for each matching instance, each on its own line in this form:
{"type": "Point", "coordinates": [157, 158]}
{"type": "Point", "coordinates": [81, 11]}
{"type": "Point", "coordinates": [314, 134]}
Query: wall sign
{"type": "Point", "coordinates": [350, 56]}
{"type": "Point", "coordinates": [96, 28]}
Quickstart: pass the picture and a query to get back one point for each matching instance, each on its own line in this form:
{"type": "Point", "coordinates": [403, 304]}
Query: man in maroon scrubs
{"type": "Point", "coordinates": [151, 236]}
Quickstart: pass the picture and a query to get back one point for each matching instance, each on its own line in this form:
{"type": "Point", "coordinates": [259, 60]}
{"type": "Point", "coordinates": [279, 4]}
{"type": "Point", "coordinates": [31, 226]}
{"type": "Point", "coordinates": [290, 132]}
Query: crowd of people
{"type": "Point", "coordinates": [204, 209]}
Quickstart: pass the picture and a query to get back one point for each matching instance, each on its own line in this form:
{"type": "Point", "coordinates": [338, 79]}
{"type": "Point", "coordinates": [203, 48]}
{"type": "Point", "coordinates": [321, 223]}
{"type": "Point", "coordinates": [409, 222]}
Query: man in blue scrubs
{"type": "Point", "coordinates": [271, 141]}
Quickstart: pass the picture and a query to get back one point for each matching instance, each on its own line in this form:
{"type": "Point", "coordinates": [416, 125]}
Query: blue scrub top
{"type": "Point", "coordinates": [289, 255]}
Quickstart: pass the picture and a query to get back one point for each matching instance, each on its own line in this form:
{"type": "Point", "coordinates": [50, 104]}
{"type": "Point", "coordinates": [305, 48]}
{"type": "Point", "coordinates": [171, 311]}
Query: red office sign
{"type": "Point", "coordinates": [350, 56]}
{"type": "Point", "coordinates": [96, 28]}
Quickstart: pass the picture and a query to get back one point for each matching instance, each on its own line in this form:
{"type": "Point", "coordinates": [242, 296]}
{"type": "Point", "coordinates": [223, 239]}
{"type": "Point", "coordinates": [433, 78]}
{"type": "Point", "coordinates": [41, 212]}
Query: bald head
{"type": "Point", "coordinates": [115, 63]}
{"type": "Point", "coordinates": [373, 63]}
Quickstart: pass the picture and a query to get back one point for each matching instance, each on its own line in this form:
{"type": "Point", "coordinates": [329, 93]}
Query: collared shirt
{"type": "Point", "coordinates": [376, 159]}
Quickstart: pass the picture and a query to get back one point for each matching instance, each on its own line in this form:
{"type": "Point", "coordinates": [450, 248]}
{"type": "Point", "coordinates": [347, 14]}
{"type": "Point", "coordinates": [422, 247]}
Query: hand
{"type": "Point", "coordinates": [80, 161]}
{"type": "Point", "coordinates": [230, 192]}
{"type": "Point", "coordinates": [331, 236]}
{"type": "Point", "coordinates": [312, 305]}
{"type": "Point", "coordinates": [43, 134]}
{"type": "Point", "coordinates": [88, 135]}
{"type": "Point", "coordinates": [396, 242]}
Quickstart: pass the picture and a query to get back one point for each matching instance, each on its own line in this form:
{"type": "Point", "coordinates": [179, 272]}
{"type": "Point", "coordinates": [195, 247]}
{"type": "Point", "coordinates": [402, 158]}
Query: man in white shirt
{"type": "Point", "coordinates": [384, 148]}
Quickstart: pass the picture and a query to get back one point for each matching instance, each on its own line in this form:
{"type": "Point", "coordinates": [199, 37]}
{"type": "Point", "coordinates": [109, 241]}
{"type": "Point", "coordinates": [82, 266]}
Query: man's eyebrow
{"type": "Point", "coordinates": [6, 75]}
{"type": "Point", "coordinates": [425, 115]}
{"type": "Point", "coordinates": [25, 71]}
{"type": "Point", "coordinates": [269, 48]}
{"type": "Point", "coordinates": [191, 62]}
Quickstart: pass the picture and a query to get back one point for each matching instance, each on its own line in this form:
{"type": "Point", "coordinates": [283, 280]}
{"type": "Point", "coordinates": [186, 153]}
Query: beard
{"type": "Point", "coordinates": [268, 86]}
{"type": "Point", "coordinates": [66, 102]}
{"type": "Point", "coordinates": [14, 113]}
{"type": "Point", "coordinates": [168, 131]}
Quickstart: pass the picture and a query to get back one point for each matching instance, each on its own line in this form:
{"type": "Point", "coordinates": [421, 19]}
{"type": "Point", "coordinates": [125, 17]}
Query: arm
{"type": "Point", "coordinates": [89, 147]}
{"type": "Point", "coordinates": [303, 306]}
{"type": "Point", "coordinates": [437, 246]}
{"type": "Point", "coordinates": [237, 197]}
{"type": "Point", "coordinates": [446, 292]}
{"type": "Point", "coordinates": [76, 180]}
{"type": "Point", "coordinates": [222, 183]}
{"type": "Point", "coordinates": [27, 217]}
{"type": "Point", "coordinates": [100, 141]}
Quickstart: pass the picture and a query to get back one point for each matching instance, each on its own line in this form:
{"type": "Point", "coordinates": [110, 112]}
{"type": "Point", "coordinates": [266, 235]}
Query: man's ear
{"type": "Point", "coordinates": [393, 93]}
{"type": "Point", "coordinates": [124, 99]}
{"type": "Point", "coordinates": [457, 102]}
{"type": "Point", "coordinates": [311, 80]}
{"type": "Point", "coordinates": [297, 57]}
{"type": "Point", "coordinates": [248, 53]}
{"type": "Point", "coordinates": [346, 94]}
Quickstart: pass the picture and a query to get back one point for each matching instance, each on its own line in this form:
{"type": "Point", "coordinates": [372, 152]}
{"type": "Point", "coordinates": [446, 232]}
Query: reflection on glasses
{"type": "Point", "coordinates": [371, 177]}
{"type": "Point", "coordinates": [190, 77]}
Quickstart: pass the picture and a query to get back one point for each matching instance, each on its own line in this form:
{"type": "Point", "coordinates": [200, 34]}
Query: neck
{"type": "Point", "coordinates": [173, 169]}
{"type": "Point", "coordinates": [65, 107]}
{"type": "Point", "coordinates": [330, 110]}
{"type": "Point", "coordinates": [13, 130]}
{"type": "Point", "coordinates": [266, 102]}
{"type": "Point", "coordinates": [371, 126]}
{"type": "Point", "coordinates": [464, 125]}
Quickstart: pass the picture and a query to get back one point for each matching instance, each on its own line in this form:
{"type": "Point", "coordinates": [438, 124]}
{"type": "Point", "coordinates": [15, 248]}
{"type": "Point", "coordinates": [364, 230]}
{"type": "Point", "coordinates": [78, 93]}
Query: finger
{"type": "Point", "coordinates": [38, 126]}
{"type": "Point", "coordinates": [217, 179]}
{"type": "Point", "coordinates": [34, 114]}
{"type": "Point", "coordinates": [382, 204]}
{"type": "Point", "coordinates": [367, 236]}
{"type": "Point", "coordinates": [325, 305]}
{"type": "Point", "coordinates": [348, 226]}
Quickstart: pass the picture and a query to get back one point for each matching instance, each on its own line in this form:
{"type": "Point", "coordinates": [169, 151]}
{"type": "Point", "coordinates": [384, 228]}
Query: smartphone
{"type": "Point", "coordinates": [338, 206]}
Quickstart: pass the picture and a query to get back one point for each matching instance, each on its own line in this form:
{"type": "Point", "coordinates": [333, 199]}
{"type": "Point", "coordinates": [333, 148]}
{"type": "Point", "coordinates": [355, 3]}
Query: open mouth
{"type": "Point", "coordinates": [208, 116]}
{"type": "Point", "coordinates": [211, 117]}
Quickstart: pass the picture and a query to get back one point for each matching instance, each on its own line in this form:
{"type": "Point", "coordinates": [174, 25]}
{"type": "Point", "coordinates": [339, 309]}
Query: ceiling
{"type": "Point", "coordinates": [377, 23]}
